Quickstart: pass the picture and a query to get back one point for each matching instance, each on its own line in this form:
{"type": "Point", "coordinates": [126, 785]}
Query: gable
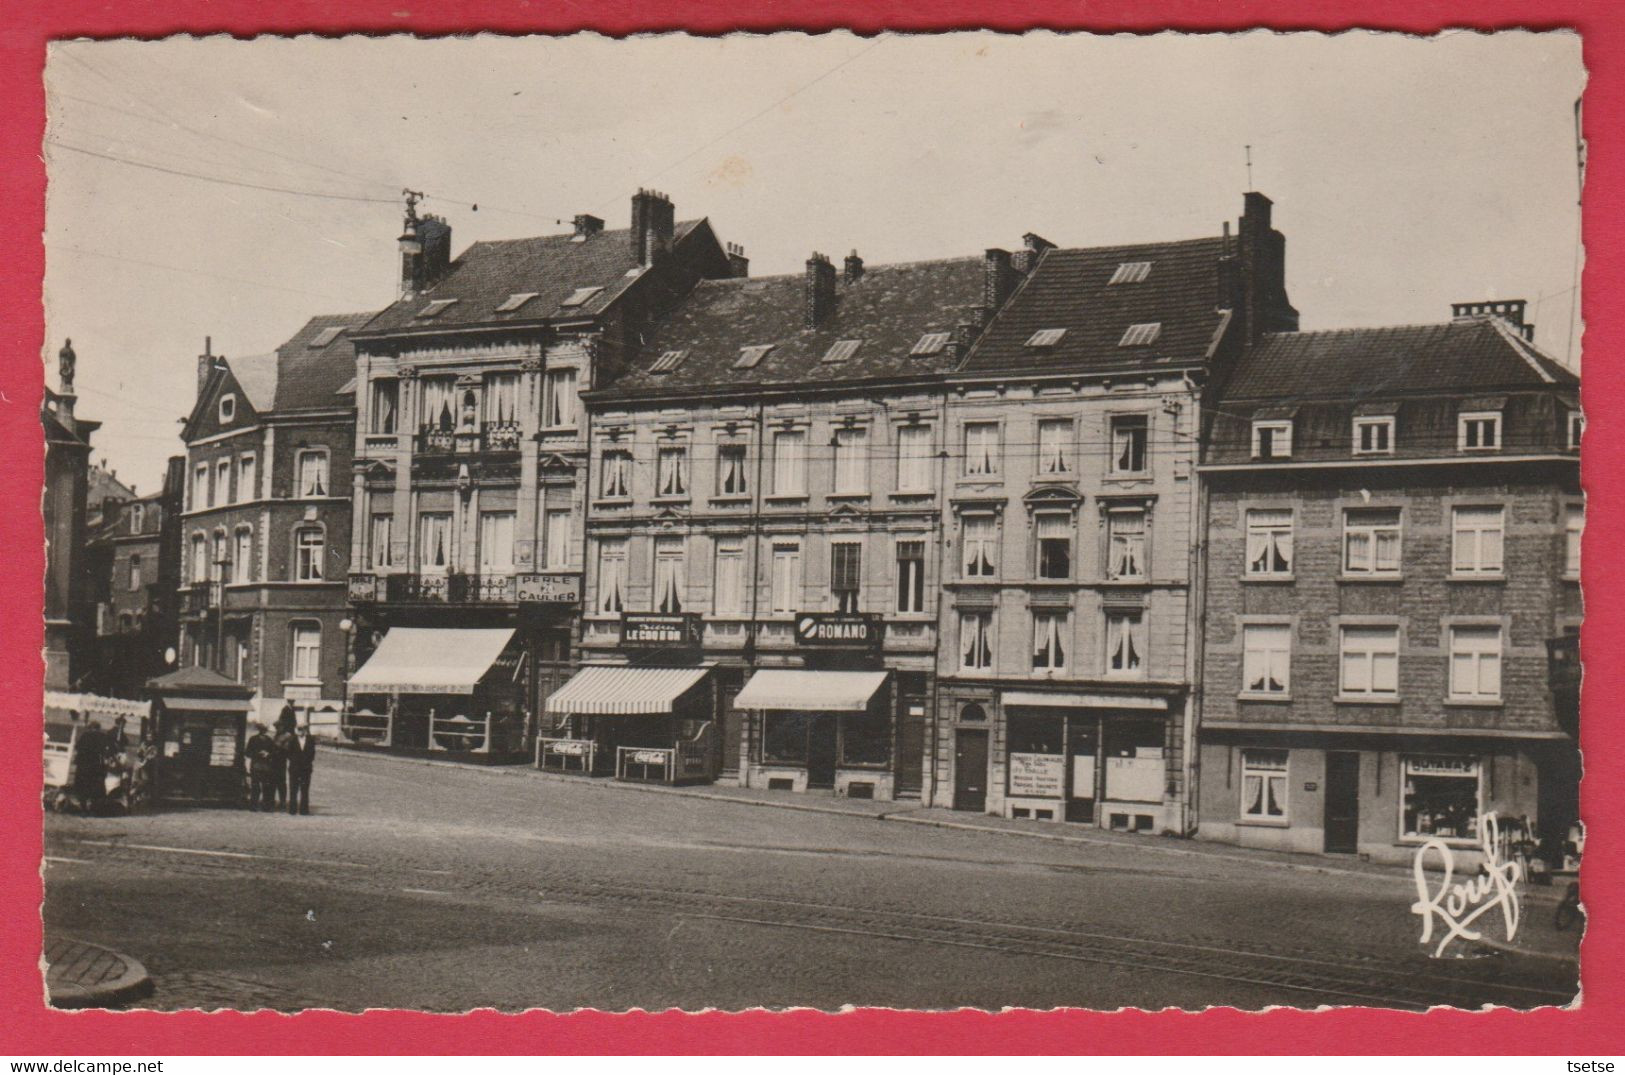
{"type": "Point", "coordinates": [206, 418]}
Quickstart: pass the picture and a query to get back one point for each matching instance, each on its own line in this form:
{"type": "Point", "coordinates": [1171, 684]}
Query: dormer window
{"type": "Point", "coordinates": [435, 308]}
{"type": "Point", "coordinates": [514, 301]}
{"type": "Point", "coordinates": [1046, 337]}
{"type": "Point", "coordinates": [1141, 335]}
{"type": "Point", "coordinates": [580, 296]}
{"type": "Point", "coordinates": [751, 357]}
{"type": "Point", "coordinates": [1374, 435]}
{"type": "Point", "coordinates": [1272, 439]}
{"type": "Point", "coordinates": [1131, 272]}
{"type": "Point", "coordinates": [932, 343]}
{"type": "Point", "coordinates": [841, 351]}
{"type": "Point", "coordinates": [1479, 431]}
{"type": "Point", "coordinates": [228, 407]}
{"type": "Point", "coordinates": [668, 361]}
{"type": "Point", "coordinates": [325, 337]}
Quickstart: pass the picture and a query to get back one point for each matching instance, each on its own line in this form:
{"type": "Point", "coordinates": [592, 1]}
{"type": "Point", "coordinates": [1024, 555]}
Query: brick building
{"type": "Point", "coordinates": [266, 524]}
{"type": "Point", "coordinates": [766, 479]}
{"type": "Point", "coordinates": [1393, 533]}
{"type": "Point", "coordinates": [1071, 524]}
{"type": "Point", "coordinates": [471, 458]}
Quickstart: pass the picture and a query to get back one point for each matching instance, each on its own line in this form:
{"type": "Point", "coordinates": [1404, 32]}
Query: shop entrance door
{"type": "Point", "coordinates": [1082, 735]}
{"type": "Point", "coordinates": [821, 750]}
{"type": "Point", "coordinates": [1342, 802]}
{"type": "Point", "coordinates": [970, 769]}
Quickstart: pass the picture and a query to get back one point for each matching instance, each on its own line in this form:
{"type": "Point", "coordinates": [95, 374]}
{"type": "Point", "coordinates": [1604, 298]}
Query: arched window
{"type": "Point", "coordinates": [973, 713]}
{"type": "Point", "coordinates": [309, 549]}
{"type": "Point", "coordinates": [135, 574]}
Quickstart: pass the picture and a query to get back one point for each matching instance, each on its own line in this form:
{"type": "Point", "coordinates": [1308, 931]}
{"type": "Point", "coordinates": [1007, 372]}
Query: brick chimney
{"type": "Point", "coordinates": [1264, 305]}
{"type": "Point", "coordinates": [654, 222]}
{"type": "Point", "coordinates": [820, 290]}
{"type": "Point", "coordinates": [205, 364]}
{"type": "Point", "coordinates": [1509, 310]}
{"type": "Point", "coordinates": [425, 252]}
{"type": "Point", "coordinates": [586, 226]}
{"type": "Point", "coordinates": [998, 281]}
{"type": "Point", "coordinates": [852, 271]}
{"type": "Point", "coordinates": [738, 263]}
{"type": "Point", "coordinates": [1033, 247]}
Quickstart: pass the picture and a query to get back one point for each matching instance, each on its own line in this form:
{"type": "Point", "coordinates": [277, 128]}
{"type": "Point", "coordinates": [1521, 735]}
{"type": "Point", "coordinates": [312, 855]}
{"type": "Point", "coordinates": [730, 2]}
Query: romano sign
{"type": "Point", "coordinates": [659, 630]}
{"type": "Point", "coordinates": [847, 630]}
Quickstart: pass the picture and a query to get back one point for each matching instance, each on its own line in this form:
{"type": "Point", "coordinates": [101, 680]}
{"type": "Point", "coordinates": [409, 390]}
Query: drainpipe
{"type": "Point", "coordinates": [1196, 614]}
{"type": "Point", "coordinates": [755, 576]}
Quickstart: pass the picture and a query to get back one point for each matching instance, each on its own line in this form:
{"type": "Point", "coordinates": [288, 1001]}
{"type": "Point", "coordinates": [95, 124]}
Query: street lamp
{"type": "Point", "coordinates": [218, 587]}
{"type": "Point", "coordinates": [347, 626]}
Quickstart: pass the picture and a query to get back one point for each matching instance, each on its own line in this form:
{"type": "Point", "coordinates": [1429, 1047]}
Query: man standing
{"type": "Point", "coordinates": [282, 735]}
{"type": "Point", "coordinates": [261, 752]}
{"type": "Point", "coordinates": [301, 760]}
{"type": "Point", "coordinates": [90, 767]}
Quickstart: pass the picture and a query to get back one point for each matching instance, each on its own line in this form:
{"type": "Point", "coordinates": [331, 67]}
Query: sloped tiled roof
{"type": "Point", "coordinates": [482, 278]}
{"type": "Point", "coordinates": [1072, 290]}
{"type": "Point", "coordinates": [309, 377]}
{"type": "Point", "coordinates": [1466, 355]}
{"type": "Point", "coordinates": [889, 309]}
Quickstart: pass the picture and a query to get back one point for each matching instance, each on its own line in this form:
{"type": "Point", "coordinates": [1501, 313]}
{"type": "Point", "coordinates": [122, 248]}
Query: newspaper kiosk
{"type": "Point", "coordinates": [200, 722]}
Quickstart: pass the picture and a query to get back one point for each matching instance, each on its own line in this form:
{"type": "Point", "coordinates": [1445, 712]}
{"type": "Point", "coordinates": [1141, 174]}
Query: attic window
{"type": "Point", "coordinates": [581, 296]}
{"type": "Point", "coordinates": [750, 357]}
{"type": "Point", "coordinates": [435, 308]}
{"type": "Point", "coordinates": [1131, 272]}
{"type": "Point", "coordinates": [931, 343]}
{"type": "Point", "coordinates": [325, 336]}
{"type": "Point", "coordinates": [841, 351]}
{"type": "Point", "coordinates": [1141, 335]}
{"type": "Point", "coordinates": [228, 407]}
{"type": "Point", "coordinates": [1046, 337]}
{"type": "Point", "coordinates": [669, 361]}
{"type": "Point", "coordinates": [514, 301]}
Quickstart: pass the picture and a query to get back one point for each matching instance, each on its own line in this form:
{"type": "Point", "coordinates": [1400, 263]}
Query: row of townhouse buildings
{"type": "Point", "coordinates": [1092, 535]}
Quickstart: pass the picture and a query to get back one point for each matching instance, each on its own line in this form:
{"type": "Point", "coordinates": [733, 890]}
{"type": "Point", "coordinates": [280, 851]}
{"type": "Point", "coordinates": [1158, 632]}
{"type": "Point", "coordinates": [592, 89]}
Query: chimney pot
{"type": "Point", "coordinates": [653, 225]}
{"type": "Point", "coordinates": [820, 290]}
{"type": "Point", "coordinates": [853, 270]}
{"type": "Point", "coordinates": [738, 263]}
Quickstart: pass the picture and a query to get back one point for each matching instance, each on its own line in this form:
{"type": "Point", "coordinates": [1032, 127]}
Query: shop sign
{"type": "Point", "coordinates": [850, 630]}
{"type": "Point", "coordinates": [223, 747]}
{"type": "Point", "coordinates": [1456, 905]}
{"type": "Point", "coordinates": [1038, 775]}
{"type": "Point", "coordinates": [660, 630]}
{"type": "Point", "coordinates": [649, 757]}
{"type": "Point", "coordinates": [556, 589]}
{"type": "Point", "coordinates": [363, 588]}
{"type": "Point", "coordinates": [575, 748]}
{"type": "Point", "coordinates": [1441, 766]}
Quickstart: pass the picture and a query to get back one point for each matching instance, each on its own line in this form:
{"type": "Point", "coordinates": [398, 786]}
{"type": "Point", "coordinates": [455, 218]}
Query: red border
{"type": "Point", "coordinates": [29, 1027]}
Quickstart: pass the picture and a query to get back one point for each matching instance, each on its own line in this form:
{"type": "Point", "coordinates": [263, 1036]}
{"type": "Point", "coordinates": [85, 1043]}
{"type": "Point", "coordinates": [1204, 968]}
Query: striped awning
{"type": "Point", "coordinates": [618, 689]}
{"type": "Point", "coordinates": [800, 689]}
{"type": "Point", "coordinates": [431, 660]}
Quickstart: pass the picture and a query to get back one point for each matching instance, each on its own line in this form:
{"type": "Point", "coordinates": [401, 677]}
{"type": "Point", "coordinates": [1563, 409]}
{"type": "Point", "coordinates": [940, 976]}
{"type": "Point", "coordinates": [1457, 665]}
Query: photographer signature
{"type": "Point", "coordinates": [1458, 904]}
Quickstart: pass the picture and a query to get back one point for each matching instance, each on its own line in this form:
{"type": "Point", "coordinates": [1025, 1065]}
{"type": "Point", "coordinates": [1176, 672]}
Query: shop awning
{"type": "Point", "coordinates": [618, 689]}
{"type": "Point", "coordinates": [1073, 700]}
{"type": "Point", "coordinates": [796, 688]}
{"type": "Point", "coordinates": [431, 660]}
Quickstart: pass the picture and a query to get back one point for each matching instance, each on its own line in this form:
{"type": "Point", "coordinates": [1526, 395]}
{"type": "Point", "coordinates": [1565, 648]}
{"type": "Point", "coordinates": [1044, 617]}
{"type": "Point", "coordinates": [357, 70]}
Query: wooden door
{"type": "Point", "coordinates": [970, 769]}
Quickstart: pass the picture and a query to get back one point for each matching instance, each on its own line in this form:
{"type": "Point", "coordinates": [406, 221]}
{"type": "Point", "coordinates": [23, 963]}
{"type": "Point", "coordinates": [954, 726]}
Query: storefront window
{"type": "Point", "coordinates": [1439, 797]}
{"type": "Point", "coordinates": [865, 739]}
{"type": "Point", "coordinates": [1135, 769]}
{"type": "Point", "coordinates": [784, 737]}
{"type": "Point", "coordinates": [1037, 759]}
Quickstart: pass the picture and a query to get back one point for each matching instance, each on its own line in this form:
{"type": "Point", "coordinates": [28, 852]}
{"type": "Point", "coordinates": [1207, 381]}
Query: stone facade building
{"type": "Point", "coordinates": [1393, 520]}
{"type": "Point", "coordinates": [265, 532]}
{"type": "Point", "coordinates": [1072, 525]}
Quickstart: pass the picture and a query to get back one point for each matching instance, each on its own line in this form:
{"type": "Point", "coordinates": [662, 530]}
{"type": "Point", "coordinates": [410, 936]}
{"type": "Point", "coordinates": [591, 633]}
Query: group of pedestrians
{"type": "Point", "coordinates": [280, 764]}
{"type": "Point", "coordinates": [100, 764]}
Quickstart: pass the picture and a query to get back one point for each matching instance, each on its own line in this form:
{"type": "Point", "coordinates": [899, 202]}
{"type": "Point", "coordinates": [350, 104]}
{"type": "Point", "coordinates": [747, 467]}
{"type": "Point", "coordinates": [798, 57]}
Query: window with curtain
{"type": "Point", "coordinates": [502, 398]}
{"type": "Point", "coordinates": [1054, 444]}
{"type": "Point", "coordinates": [1054, 560]}
{"type": "Point", "coordinates": [1131, 434]}
{"type": "Point", "coordinates": [846, 574]}
{"type": "Point", "coordinates": [137, 516]}
{"type": "Point", "coordinates": [981, 449]}
{"type": "Point", "coordinates": [670, 558]}
{"type": "Point", "coordinates": [496, 541]}
{"type": "Point", "coordinates": [200, 488]}
{"type": "Point", "coordinates": [786, 576]}
{"type": "Point", "coordinates": [1371, 541]}
{"type": "Point", "coordinates": [1263, 784]}
{"type": "Point", "coordinates": [310, 546]}
{"type": "Point", "coordinates": [247, 477]}
{"type": "Point", "coordinates": [135, 574]}
{"type": "Point", "coordinates": [1125, 543]}
{"type": "Point", "coordinates": [851, 461]}
{"type": "Point", "coordinates": [434, 543]}
{"type": "Point", "coordinates": [1475, 663]}
{"type": "Point", "coordinates": [222, 480]}
{"type": "Point", "coordinates": [558, 531]}
{"type": "Point", "coordinates": [671, 472]}
{"type": "Point", "coordinates": [306, 656]}
{"type": "Point", "coordinates": [216, 565]}
{"type": "Point", "coordinates": [612, 576]}
{"type": "Point", "coordinates": [242, 560]}
{"type": "Point", "coordinates": [1125, 643]}
{"type": "Point", "coordinates": [560, 399]}
{"type": "Point", "coordinates": [980, 546]}
{"type": "Point", "coordinates": [439, 403]}
{"type": "Point", "coordinates": [616, 466]}
{"type": "Point", "coordinates": [727, 586]}
{"type": "Point", "coordinates": [1369, 659]}
{"type": "Point", "coordinates": [913, 459]}
{"type": "Point", "coordinates": [200, 560]}
{"type": "Point", "coordinates": [1049, 641]}
{"type": "Point", "coordinates": [313, 473]}
{"type": "Point", "coordinates": [1266, 662]}
{"type": "Point", "coordinates": [1478, 535]}
{"type": "Point", "coordinates": [976, 641]}
{"type": "Point", "coordinates": [910, 575]}
{"type": "Point", "coordinates": [382, 555]}
{"type": "Point", "coordinates": [732, 479]}
{"type": "Point", "coordinates": [386, 397]}
{"type": "Point", "coordinates": [790, 463]}
{"type": "Point", "coordinates": [1269, 541]}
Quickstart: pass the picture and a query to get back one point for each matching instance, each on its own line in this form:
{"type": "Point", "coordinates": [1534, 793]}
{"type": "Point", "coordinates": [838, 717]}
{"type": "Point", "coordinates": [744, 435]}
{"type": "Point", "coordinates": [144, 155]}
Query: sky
{"type": "Point", "coordinates": [1407, 173]}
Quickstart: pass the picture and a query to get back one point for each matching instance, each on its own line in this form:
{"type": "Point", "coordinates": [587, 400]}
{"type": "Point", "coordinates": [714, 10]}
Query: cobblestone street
{"type": "Point", "coordinates": [447, 888]}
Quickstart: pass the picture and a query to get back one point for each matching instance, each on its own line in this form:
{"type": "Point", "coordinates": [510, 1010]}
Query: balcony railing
{"type": "Point", "coordinates": [492, 437]}
{"type": "Point", "coordinates": [454, 589]}
{"type": "Point", "coordinates": [200, 598]}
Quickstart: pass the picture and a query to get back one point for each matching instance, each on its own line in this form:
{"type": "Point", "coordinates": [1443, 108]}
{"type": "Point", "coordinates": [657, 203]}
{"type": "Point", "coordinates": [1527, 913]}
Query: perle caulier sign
{"type": "Point", "coordinates": [1458, 904]}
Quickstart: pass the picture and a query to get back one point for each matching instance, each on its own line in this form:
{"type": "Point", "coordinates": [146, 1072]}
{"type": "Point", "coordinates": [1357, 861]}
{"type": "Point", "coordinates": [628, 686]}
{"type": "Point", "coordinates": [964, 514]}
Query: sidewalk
{"type": "Point", "coordinates": [80, 975]}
